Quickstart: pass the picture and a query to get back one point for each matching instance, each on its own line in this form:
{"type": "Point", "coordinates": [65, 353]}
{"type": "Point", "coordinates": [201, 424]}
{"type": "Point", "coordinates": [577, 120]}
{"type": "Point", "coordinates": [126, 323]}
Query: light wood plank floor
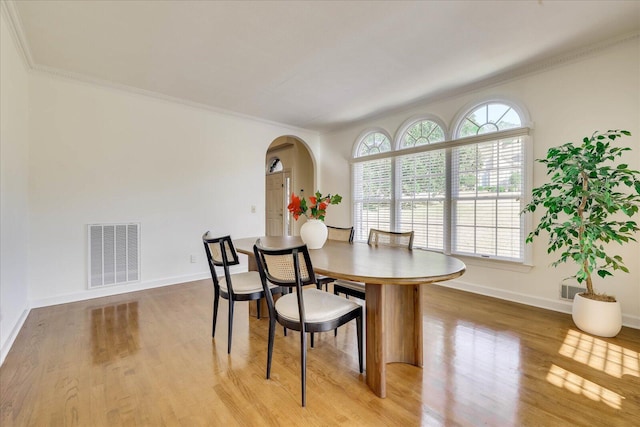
{"type": "Point", "coordinates": [147, 359]}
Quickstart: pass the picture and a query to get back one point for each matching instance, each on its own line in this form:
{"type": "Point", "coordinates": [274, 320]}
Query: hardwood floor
{"type": "Point", "coordinates": [147, 359]}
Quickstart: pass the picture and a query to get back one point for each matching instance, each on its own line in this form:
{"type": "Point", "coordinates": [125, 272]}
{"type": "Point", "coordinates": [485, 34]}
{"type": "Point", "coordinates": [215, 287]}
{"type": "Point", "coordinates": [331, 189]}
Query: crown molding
{"type": "Point", "coordinates": [15, 27]}
{"type": "Point", "coordinates": [501, 77]}
{"type": "Point", "coordinates": [94, 81]}
{"type": "Point", "coordinates": [8, 8]}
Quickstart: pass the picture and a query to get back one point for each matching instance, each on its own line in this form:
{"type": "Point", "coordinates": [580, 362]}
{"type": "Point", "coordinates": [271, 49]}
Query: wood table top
{"type": "Point", "coordinates": [369, 264]}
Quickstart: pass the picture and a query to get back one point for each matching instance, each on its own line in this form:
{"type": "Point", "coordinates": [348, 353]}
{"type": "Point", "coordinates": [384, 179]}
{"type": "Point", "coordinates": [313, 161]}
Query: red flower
{"type": "Point", "coordinates": [317, 205]}
{"type": "Point", "coordinates": [294, 206]}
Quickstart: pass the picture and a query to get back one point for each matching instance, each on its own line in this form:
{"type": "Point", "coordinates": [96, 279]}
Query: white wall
{"type": "Point", "coordinates": [567, 102]}
{"type": "Point", "coordinates": [14, 227]}
{"type": "Point", "coordinates": [103, 155]}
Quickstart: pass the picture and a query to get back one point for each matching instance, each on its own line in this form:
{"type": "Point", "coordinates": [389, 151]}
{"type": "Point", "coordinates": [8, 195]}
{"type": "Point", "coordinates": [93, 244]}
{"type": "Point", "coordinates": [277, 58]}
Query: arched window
{"type": "Point", "coordinates": [421, 132]}
{"type": "Point", "coordinates": [461, 195]}
{"type": "Point", "coordinates": [373, 143]}
{"type": "Point", "coordinates": [372, 183]}
{"type": "Point", "coordinates": [487, 118]}
{"type": "Point", "coordinates": [275, 165]}
{"type": "Point", "coordinates": [421, 178]}
{"type": "Point", "coordinates": [487, 183]}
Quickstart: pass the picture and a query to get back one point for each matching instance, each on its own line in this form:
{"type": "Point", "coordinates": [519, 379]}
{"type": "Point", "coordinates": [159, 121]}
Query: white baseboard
{"type": "Point", "coordinates": [546, 303]}
{"type": "Point", "coordinates": [117, 290]}
{"type": "Point", "coordinates": [6, 346]}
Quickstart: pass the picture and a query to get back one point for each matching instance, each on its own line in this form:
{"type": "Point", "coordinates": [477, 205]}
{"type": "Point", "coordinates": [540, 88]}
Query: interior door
{"type": "Point", "coordinates": [275, 199]}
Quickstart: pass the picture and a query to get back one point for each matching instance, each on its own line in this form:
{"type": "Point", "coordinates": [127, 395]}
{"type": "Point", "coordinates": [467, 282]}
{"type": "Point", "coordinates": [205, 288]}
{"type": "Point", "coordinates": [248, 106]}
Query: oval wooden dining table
{"type": "Point", "coordinates": [393, 280]}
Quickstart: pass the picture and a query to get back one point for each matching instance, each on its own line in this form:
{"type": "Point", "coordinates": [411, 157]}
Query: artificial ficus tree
{"type": "Point", "coordinates": [590, 201]}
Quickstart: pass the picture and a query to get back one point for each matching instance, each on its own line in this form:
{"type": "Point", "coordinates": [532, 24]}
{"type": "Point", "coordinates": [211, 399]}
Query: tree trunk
{"type": "Point", "coordinates": [583, 250]}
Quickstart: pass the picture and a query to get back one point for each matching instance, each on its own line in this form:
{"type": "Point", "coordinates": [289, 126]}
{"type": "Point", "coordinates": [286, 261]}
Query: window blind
{"type": "Point", "coordinates": [422, 179]}
{"type": "Point", "coordinates": [486, 199]}
{"type": "Point", "coordinates": [372, 185]}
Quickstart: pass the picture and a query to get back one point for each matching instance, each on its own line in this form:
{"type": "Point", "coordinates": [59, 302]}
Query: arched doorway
{"type": "Point", "coordinates": [288, 168]}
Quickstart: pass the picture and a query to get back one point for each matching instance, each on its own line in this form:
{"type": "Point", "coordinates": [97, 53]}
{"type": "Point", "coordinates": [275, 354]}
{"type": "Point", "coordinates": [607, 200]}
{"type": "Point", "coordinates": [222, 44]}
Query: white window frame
{"type": "Point", "coordinates": [402, 152]}
{"type": "Point", "coordinates": [525, 131]}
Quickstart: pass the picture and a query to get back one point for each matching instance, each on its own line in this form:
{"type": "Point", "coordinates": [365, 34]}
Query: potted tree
{"type": "Point", "coordinates": [589, 202]}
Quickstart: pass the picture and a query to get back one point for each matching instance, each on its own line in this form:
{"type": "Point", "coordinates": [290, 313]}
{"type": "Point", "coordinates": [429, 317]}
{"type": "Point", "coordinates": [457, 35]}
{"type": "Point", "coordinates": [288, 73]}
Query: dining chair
{"type": "Point", "coordinates": [306, 309]}
{"type": "Point", "coordinates": [342, 234]}
{"type": "Point", "coordinates": [376, 238]}
{"type": "Point", "coordinates": [246, 286]}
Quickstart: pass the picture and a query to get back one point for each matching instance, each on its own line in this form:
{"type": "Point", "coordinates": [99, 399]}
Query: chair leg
{"type": "Point", "coordinates": [303, 366]}
{"type": "Point", "coordinates": [335, 331]}
{"type": "Point", "coordinates": [230, 325]}
{"type": "Point", "coordinates": [359, 333]}
{"type": "Point", "coordinates": [216, 299]}
{"type": "Point", "coordinates": [258, 309]}
{"type": "Point", "coordinates": [272, 333]}
{"type": "Point", "coordinates": [311, 339]}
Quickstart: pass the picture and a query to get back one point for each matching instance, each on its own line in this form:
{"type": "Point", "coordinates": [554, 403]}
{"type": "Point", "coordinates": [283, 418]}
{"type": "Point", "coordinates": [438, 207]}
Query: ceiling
{"type": "Point", "coordinates": [315, 65]}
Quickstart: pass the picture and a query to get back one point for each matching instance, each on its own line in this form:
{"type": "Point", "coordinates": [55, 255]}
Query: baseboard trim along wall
{"type": "Point", "coordinates": [546, 303]}
{"type": "Point", "coordinates": [6, 346]}
{"type": "Point", "coordinates": [108, 291]}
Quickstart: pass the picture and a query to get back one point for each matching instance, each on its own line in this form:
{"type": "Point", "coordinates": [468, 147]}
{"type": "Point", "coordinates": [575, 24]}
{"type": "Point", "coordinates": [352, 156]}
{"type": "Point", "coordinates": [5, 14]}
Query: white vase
{"type": "Point", "coordinates": [599, 318]}
{"type": "Point", "coordinates": [313, 233]}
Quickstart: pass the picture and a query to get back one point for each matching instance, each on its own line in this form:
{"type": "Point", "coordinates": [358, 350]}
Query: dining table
{"type": "Point", "coordinates": [393, 279]}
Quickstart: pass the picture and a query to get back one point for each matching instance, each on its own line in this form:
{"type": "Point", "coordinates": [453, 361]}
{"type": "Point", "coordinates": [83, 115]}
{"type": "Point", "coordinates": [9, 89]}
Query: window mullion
{"type": "Point", "coordinates": [395, 194]}
{"type": "Point", "coordinates": [448, 209]}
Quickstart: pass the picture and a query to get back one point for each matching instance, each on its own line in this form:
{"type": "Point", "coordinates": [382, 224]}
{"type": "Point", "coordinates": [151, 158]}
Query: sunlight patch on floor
{"type": "Point", "coordinates": [601, 355]}
{"type": "Point", "coordinates": [578, 385]}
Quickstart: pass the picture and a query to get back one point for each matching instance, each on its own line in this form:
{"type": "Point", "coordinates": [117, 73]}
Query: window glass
{"type": "Point", "coordinates": [422, 132]}
{"type": "Point", "coordinates": [373, 143]}
{"type": "Point", "coordinates": [487, 118]}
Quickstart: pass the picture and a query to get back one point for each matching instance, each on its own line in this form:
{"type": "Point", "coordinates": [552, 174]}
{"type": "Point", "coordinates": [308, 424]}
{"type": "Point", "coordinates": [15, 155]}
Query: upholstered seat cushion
{"type": "Point", "coordinates": [356, 286]}
{"type": "Point", "coordinates": [319, 306]}
{"type": "Point", "coordinates": [244, 283]}
{"type": "Point", "coordinates": [322, 279]}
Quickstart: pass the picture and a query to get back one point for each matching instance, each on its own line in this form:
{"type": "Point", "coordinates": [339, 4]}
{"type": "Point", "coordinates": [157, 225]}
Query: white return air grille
{"type": "Point", "coordinates": [114, 254]}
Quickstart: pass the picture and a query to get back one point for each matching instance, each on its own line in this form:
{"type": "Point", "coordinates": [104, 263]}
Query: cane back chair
{"type": "Point", "coordinates": [306, 309]}
{"type": "Point", "coordinates": [245, 286]}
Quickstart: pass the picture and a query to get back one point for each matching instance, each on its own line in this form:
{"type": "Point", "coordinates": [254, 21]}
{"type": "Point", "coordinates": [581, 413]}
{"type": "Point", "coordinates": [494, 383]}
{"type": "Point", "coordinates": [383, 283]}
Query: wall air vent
{"type": "Point", "coordinates": [569, 292]}
{"type": "Point", "coordinates": [114, 254]}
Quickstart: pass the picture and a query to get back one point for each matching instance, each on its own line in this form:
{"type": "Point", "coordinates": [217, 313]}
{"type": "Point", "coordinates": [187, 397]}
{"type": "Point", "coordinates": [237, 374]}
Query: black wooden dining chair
{"type": "Point", "coordinates": [307, 309]}
{"type": "Point", "coordinates": [341, 234]}
{"type": "Point", "coordinates": [245, 286]}
{"type": "Point", "coordinates": [376, 238]}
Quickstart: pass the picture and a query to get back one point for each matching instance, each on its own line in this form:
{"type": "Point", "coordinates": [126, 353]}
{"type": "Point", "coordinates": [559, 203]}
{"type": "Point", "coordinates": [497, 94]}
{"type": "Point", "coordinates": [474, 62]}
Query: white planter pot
{"type": "Point", "coordinates": [313, 233]}
{"type": "Point", "coordinates": [599, 318]}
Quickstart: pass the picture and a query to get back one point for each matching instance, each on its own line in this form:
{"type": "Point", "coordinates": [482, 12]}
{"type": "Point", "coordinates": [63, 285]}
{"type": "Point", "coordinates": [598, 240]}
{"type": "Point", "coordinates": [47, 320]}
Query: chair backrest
{"type": "Point", "coordinates": [288, 267]}
{"type": "Point", "coordinates": [220, 252]}
{"type": "Point", "coordinates": [341, 234]}
{"type": "Point", "coordinates": [391, 238]}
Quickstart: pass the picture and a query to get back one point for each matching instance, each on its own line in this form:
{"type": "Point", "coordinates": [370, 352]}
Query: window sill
{"type": "Point", "coordinates": [519, 267]}
{"type": "Point", "coordinates": [498, 264]}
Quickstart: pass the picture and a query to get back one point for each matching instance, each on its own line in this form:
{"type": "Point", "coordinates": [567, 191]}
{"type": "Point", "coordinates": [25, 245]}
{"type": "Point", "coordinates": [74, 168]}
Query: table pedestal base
{"type": "Point", "coordinates": [394, 330]}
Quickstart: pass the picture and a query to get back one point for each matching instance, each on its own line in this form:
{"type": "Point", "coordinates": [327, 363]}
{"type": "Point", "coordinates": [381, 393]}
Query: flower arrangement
{"type": "Point", "coordinates": [317, 208]}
